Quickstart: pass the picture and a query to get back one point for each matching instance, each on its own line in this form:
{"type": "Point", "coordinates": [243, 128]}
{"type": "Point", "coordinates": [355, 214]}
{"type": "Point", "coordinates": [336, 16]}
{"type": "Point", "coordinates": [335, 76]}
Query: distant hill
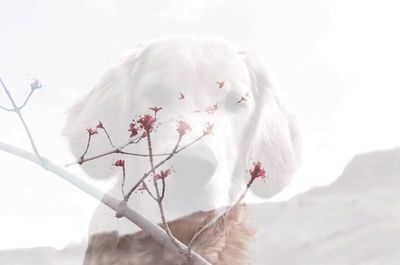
{"type": "Point", "coordinates": [71, 255]}
{"type": "Point", "coordinates": [354, 221]}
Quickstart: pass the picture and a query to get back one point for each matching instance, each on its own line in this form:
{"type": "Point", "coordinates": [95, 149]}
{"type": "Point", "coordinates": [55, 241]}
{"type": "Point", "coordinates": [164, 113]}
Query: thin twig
{"type": "Point", "coordinates": [26, 100]}
{"type": "Point", "coordinates": [148, 191]}
{"type": "Point", "coordinates": [163, 188]}
{"type": "Point", "coordinates": [123, 179]}
{"type": "Point", "coordinates": [159, 199]}
{"type": "Point", "coordinates": [6, 109]}
{"type": "Point", "coordinates": [17, 110]}
{"type": "Point", "coordinates": [223, 213]}
{"type": "Point", "coordinates": [114, 151]}
{"type": "Point", "coordinates": [82, 158]}
{"type": "Point", "coordinates": [119, 151]}
{"type": "Point", "coordinates": [109, 138]}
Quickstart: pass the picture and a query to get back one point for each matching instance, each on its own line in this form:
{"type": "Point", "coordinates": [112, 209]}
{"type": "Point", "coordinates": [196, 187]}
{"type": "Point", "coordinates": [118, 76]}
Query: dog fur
{"type": "Point", "coordinates": [225, 243]}
{"type": "Point", "coordinates": [211, 173]}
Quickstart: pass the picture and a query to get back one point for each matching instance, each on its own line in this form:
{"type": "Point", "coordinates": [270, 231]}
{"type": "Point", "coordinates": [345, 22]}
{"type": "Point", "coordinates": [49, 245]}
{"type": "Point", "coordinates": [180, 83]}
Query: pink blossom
{"type": "Point", "coordinates": [91, 131]}
{"type": "Point", "coordinates": [183, 127]}
{"type": "Point", "coordinates": [119, 163]}
{"type": "Point", "coordinates": [133, 129]}
{"type": "Point", "coordinates": [257, 171]}
{"type": "Point", "coordinates": [147, 122]}
{"type": "Point", "coordinates": [100, 125]}
{"type": "Point", "coordinates": [162, 175]}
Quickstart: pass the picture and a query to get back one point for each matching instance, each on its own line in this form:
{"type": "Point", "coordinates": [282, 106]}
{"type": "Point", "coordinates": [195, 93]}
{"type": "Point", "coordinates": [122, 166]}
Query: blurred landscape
{"type": "Point", "coordinates": [356, 220]}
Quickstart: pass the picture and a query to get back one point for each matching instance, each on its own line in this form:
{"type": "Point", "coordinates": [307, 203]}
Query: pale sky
{"type": "Point", "coordinates": [335, 64]}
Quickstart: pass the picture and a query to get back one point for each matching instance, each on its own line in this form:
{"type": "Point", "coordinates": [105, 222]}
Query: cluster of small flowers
{"type": "Point", "coordinates": [92, 131]}
{"type": "Point", "coordinates": [162, 175]}
{"type": "Point", "coordinates": [145, 122]}
{"type": "Point", "coordinates": [119, 163]}
{"type": "Point", "coordinates": [183, 127]}
{"type": "Point", "coordinates": [257, 171]}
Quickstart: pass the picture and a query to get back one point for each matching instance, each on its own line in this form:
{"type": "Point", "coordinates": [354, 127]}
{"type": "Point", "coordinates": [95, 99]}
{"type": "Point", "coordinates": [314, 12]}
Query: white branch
{"type": "Point", "coordinates": [122, 209]}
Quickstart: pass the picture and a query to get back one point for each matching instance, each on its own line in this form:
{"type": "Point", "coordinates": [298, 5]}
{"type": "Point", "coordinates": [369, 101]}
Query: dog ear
{"type": "Point", "coordinates": [274, 137]}
{"type": "Point", "coordinates": [107, 102]}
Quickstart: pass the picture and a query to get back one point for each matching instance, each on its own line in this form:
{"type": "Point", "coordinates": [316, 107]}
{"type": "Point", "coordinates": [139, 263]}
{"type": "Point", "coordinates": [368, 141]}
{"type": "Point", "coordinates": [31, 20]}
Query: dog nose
{"type": "Point", "coordinates": [197, 165]}
{"type": "Point", "coordinates": [196, 162]}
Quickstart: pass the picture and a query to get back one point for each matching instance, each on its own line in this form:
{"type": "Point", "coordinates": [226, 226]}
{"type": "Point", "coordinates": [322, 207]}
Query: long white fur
{"type": "Point", "coordinates": [211, 173]}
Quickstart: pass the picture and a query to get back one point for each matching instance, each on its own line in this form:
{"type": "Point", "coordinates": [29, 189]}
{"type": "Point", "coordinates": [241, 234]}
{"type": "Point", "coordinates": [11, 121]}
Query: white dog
{"type": "Point", "coordinates": [198, 80]}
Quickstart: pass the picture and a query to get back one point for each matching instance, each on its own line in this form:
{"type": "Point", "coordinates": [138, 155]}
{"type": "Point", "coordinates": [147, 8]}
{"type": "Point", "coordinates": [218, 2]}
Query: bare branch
{"type": "Point", "coordinates": [17, 110]}
{"type": "Point", "coordinates": [122, 209]}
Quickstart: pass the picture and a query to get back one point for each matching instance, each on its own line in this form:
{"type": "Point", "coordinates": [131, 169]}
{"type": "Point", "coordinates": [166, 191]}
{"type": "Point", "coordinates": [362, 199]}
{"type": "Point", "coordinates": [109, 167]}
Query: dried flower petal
{"type": "Point", "coordinates": [162, 175]}
{"type": "Point", "coordinates": [147, 122]}
{"type": "Point", "coordinates": [209, 129]}
{"type": "Point", "coordinates": [183, 127]}
{"type": "Point", "coordinates": [211, 109]}
{"type": "Point", "coordinates": [221, 84]}
{"type": "Point", "coordinates": [257, 171]}
{"type": "Point", "coordinates": [91, 131]}
{"type": "Point", "coordinates": [100, 125]}
{"type": "Point", "coordinates": [133, 129]}
{"type": "Point", "coordinates": [119, 163]}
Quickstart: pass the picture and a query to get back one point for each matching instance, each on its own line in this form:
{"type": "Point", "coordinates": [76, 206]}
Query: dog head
{"type": "Point", "coordinates": [200, 81]}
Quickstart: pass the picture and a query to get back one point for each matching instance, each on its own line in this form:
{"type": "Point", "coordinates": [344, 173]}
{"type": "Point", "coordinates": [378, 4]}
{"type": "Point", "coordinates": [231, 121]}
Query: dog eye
{"type": "Point", "coordinates": [156, 95]}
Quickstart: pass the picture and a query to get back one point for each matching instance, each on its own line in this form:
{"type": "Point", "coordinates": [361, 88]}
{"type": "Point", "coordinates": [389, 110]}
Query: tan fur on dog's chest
{"type": "Point", "coordinates": [224, 243]}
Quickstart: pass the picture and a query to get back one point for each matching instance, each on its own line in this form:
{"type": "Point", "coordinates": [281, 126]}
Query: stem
{"type": "Point", "coordinates": [159, 198]}
{"type": "Point", "coordinates": [114, 151]}
{"type": "Point", "coordinates": [109, 138]}
{"type": "Point", "coordinates": [82, 158]}
{"type": "Point", "coordinates": [123, 180]}
{"type": "Point", "coordinates": [26, 100]}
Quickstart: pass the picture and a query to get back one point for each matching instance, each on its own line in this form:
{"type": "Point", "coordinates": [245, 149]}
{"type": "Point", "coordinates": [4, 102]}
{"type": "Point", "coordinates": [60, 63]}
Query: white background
{"type": "Point", "coordinates": [335, 63]}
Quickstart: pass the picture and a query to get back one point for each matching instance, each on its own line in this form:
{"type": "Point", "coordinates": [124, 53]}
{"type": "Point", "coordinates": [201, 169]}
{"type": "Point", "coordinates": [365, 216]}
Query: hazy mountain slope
{"type": "Point", "coordinates": [71, 255]}
{"type": "Point", "coordinates": [356, 220]}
